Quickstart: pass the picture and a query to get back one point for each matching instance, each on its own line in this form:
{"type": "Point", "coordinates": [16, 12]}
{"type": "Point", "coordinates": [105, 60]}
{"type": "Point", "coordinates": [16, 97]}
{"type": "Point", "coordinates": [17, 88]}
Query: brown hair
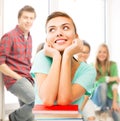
{"type": "Point", "coordinates": [40, 47]}
{"type": "Point", "coordinates": [106, 63]}
{"type": "Point", "coordinates": [28, 9]}
{"type": "Point", "coordinates": [87, 44]}
{"type": "Point", "coordinates": [60, 14]}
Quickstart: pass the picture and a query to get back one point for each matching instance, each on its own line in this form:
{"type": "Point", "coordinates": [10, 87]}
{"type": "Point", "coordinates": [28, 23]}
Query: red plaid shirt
{"type": "Point", "coordinates": [15, 51]}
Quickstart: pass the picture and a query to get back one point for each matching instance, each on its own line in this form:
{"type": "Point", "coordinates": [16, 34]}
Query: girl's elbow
{"type": "Point", "coordinates": [47, 102]}
{"type": "Point", "coordinates": [64, 101]}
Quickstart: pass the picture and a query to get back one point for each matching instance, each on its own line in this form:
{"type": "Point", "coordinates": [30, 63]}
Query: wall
{"type": "Point", "coordinates": [115, 30]}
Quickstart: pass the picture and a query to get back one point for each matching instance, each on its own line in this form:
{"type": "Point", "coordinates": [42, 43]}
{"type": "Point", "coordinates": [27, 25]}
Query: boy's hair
{"type": "Point", "coordinates": [26, 8]}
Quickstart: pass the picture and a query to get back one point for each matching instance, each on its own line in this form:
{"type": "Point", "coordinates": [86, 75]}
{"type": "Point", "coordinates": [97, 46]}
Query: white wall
{"type": "Point", "coordinates": [115, 30]}
{"type": "Point", "coordinates": [89, 19]}
{"type": "Point", "coordinates": [1, 17]}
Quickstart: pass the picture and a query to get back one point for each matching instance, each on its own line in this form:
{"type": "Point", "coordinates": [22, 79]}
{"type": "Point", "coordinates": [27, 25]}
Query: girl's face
{"type": "Point", "coordinates": [83, 56]}
{"type": "Point", "coordinates": [60, 33]}
{"type": "Point", "coordinates": [102, 54]}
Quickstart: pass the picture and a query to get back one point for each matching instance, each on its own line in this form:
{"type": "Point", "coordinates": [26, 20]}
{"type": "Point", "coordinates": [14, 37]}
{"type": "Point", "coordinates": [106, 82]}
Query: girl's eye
{"type": "Point", "coordinates": [65, 27]}
{"type": "Point", "coordinates": [51, 30]}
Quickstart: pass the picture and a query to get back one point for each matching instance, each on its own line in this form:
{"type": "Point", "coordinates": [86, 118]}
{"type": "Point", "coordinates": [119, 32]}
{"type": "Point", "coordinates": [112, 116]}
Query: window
{"type": "Point", "coordinates": [89, 17]}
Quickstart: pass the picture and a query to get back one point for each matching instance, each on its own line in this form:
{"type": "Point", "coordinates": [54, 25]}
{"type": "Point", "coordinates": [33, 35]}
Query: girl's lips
{"type": "Point", "coordinates": [60, 41]}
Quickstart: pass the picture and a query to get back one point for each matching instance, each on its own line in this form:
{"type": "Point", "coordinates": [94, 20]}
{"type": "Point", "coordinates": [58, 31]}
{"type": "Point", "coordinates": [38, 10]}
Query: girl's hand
{"type": "Point", "coordinates": [115, 107]}
{"type": "Point", "coordinates": [75, 47]}
{"type": "Point", "coordinates": [117, 79]}
{"type": "Point", "coordinates": [50, 51]}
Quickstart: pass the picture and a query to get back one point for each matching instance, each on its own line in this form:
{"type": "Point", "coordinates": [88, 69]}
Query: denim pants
{"type": "Point", "coordinates": [24, 90]}
{"type": "Point", "coordinates": [100, 99]}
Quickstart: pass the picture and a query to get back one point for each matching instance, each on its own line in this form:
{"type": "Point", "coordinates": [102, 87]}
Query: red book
{"type": "Point", "coordinates": [56, 109]}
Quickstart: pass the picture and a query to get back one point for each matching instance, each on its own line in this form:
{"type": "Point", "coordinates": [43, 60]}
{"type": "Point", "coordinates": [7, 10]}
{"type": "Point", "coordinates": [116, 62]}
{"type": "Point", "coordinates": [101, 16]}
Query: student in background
{"type": "Point", "coordinates": [40, 47]}
{"type": "Point", "coordinates": [87, 105]}
{"type": "Point", "coordinates": [84, 55]}
{"type": "Point", "coordinates": [106, 93]}
{"type": "Point", "coordinates": [60, 79]}
{"type": "Point", "coordinates": [15, 64]}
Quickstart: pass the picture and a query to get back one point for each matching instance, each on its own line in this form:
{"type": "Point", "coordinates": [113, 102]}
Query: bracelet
{"type": "Point", "coordinates": [107, 79]}
{"type": "Point", "coordinates": [114, 86]}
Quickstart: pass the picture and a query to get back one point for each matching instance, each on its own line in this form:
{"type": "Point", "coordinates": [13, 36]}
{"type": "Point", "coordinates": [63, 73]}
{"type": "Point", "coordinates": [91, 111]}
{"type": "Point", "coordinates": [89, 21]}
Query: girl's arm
{"type": "Point", "coordinates": [115, 105]}
{"type": "Point", "coordinates": [112, 79]}
{"type": "Point", "coordinates": [48, 84]}
{"type": "Point", "coordinates": [113, 73]}
{"type": "Point", "coordinates": [68, 92]}
{"type": "Point", "coordinates": [5, 69]}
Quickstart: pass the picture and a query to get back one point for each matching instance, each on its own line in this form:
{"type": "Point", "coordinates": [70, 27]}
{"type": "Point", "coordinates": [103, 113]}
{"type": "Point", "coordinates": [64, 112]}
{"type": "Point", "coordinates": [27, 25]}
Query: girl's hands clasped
{"type": "Point", "coordinates": [75, 47]}
{"type": "Point", "coordinates": [50, 51]}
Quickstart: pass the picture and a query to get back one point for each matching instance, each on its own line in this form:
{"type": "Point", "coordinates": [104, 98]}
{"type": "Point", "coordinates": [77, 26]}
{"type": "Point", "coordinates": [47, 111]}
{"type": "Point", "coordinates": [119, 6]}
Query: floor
{"type": "Point", "coordinates": [9, 108]}
{"type": "Point", "coordinates": [103, 116]}
{"type": "Point", "coordinates": [100, 117]}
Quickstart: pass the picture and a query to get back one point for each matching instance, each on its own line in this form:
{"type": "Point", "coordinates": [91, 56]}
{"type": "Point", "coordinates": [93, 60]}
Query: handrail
{"type": "Point", "coordinates": [2, 102]}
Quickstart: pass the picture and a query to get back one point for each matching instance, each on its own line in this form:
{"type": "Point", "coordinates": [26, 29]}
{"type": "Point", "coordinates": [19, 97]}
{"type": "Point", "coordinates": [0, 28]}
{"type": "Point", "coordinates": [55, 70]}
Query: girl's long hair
{"type": "Point", "coordinates": [106, 62]}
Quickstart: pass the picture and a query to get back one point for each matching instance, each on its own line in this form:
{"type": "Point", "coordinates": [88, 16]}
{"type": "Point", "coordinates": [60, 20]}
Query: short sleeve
{"type": "Point", "coordinates": [41, 64]}
{"type": "Point", "coordinates": [85, 76]}
{"type": "Point", "coordinates": [113, 69]}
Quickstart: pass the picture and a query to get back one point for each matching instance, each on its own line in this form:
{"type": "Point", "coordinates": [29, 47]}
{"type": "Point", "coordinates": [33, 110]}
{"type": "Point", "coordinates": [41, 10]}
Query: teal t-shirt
{"type": "Point", "coordinates": [84, 76]}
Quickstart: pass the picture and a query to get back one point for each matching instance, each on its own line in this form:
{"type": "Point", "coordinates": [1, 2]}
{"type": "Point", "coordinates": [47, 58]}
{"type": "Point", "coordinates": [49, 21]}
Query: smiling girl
{"type": "Point", "coordinates": [60, 79]}
{"type": "Point", "coordinates": [106, 94]}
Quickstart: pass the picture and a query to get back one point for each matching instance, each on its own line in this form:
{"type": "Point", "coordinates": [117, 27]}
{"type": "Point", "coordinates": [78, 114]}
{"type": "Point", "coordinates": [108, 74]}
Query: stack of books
{"type": "Point", "coordinates": [57, 112]}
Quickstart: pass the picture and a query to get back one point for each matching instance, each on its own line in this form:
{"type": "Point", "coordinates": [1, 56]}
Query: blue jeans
{"type": "Point", "coordinates": [24, 90]}
{"type": "Point", "coordinates": [100, 99]}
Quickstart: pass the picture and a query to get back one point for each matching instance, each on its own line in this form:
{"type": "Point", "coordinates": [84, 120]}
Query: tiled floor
{"type": "Point", "coordinates": [103, 116]}
{"type": "Point", "coordinates": [11, 107]}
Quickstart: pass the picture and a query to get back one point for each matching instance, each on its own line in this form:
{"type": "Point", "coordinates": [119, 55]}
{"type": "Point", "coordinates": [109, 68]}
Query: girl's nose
{"type": "Point", "coordinates": [59, 32]}
{"type": "Point", "coordinates": [59, 35]}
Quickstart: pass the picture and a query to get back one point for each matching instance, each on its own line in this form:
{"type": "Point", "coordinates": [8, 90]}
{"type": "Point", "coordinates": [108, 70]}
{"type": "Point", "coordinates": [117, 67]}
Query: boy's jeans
{"type": "Point", "coordinates": [24, 90]}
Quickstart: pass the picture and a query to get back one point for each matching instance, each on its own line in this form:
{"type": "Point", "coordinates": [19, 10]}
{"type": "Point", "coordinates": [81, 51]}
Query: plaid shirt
{"type": "Point", "coordinates": [15, 51]}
